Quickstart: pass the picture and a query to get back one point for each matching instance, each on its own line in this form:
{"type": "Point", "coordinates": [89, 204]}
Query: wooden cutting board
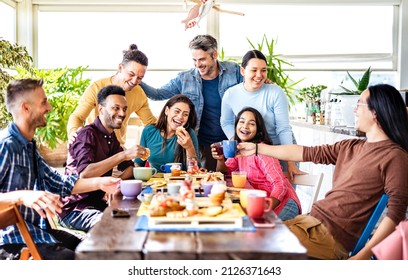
{"type": "Point", "coordinates": [196, 177]}
{"type": "Point", "coordinates": [230, 218]}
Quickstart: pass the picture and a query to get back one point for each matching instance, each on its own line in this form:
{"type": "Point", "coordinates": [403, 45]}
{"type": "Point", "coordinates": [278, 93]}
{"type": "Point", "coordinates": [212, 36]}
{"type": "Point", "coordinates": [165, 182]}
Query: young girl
{"type": "Point", "coordinates": [263, 172]}
{"type": "Point", "coordinates": [166, 141]}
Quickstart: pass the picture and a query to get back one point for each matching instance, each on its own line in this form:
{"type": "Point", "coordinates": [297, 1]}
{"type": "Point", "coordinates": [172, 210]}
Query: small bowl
{"type": "Point", "coordinates": [131, 188]}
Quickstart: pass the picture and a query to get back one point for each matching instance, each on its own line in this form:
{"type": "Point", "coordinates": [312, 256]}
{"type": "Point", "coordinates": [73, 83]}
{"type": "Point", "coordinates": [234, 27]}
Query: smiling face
{"type": "Point", "coordinates": [39, 107]}
{"type": "Point", "coordinates": [130, 75]}
{"type": "Point", "coordinates": [177, 115]}
{"type": "Point", "coordinates": [364, 117]}
{"type": "Point", "coordinates": [246, 127]}
{"type": "Point", "coordinates": [205, 63]}
{"type": "Point", "coordinates": [113, 112]}
{"type": "Point", "coordinates": [254, 74]}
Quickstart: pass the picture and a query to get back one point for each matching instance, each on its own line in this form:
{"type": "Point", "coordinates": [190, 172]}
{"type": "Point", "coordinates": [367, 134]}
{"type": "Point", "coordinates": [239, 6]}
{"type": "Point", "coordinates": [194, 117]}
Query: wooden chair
{"type": "Point", "coordinates": [372, 222]}
{"type": "Point", "coordinates": [10, 215]}
{"type": "Point", "coordinates": [308, 180]}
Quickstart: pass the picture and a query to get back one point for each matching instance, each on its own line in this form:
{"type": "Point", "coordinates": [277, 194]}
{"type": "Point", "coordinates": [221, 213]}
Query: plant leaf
{"type": "Point", "coordinates": [365, 80]}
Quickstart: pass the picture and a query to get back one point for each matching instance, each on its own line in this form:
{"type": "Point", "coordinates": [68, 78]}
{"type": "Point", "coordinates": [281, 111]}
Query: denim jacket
{"type": "Point", "coordinates": [189, 83]}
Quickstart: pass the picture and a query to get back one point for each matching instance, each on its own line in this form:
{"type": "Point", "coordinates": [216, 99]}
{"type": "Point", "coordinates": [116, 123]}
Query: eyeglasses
{"type": "Point", "coordinates": [359, 103]}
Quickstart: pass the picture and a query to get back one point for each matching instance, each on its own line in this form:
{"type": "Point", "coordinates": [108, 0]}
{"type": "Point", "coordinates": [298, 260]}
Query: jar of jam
{"type": "Point", "coordinates": [192, 167]}
{"type": "Point", "coordinates": [175, 170]}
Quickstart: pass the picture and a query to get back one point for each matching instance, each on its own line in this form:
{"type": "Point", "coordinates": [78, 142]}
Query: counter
{"type": "Point", "coordinates": [327, 128]}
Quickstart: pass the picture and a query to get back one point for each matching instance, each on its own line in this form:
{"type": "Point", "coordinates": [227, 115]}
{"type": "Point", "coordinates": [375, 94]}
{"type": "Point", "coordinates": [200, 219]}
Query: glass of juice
{"type": "Point", "coordinates": [239, 179]}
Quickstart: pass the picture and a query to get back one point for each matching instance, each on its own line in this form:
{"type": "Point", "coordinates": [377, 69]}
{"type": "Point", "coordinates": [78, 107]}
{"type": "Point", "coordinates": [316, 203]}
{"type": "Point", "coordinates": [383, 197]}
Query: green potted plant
{"type": "Point", "coordinates": [64, 87]}
{"type": "Point", "coordinates": [276, 73]}
{"type": "Point", "coordinates": [311, 96]}
{"type": "Point", "coordinates": [360, 85]}
{"type": "Point", "coordinates": [11, 56]}
{"type": "Point", "coordinates": [349, 97]}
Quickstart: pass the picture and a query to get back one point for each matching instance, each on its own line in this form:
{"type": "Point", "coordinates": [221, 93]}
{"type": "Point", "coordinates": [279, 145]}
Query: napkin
{"type": "Point", "coordinates": [394, 246]}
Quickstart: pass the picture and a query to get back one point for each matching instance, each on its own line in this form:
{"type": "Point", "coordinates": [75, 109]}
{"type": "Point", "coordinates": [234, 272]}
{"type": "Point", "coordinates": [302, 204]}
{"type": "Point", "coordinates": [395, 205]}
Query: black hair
{"type": "Point", "coordinates": [133, 54]}
{"type": "Point", "coordinates": [261, 132]}
{"type": "Point", "coordinates": [391, 113]}
{"type": "Point", "coordinates": [252, 54]}
{"type": "Point", "coordinates": [179, 153]}
{"type": "Point", "coordinates": [109, 90]}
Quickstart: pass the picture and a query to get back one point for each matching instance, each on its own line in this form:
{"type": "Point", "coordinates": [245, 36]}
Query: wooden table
{"type": "Point", "coordinates": [115, 238]}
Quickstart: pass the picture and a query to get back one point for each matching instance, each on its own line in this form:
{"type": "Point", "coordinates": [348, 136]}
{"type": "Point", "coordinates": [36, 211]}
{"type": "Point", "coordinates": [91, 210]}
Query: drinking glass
{"type": "Point", "coordinates": [218, 148]}
{"type": "Point", "coordinates": [239, 179]}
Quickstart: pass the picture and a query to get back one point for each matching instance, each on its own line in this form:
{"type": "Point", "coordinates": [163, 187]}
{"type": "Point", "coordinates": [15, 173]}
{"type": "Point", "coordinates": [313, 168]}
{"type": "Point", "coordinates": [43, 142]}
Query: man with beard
{"type": "Point", "coordinates": [95, 152]}
{"type": "Point", "coordinates": [205, 85]}
{"type": "Point", "coordinates": [29, 182]}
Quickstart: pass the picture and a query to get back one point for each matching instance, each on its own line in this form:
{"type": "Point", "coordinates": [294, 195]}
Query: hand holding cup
{"type": "Point", "coordinates": [217, 151]}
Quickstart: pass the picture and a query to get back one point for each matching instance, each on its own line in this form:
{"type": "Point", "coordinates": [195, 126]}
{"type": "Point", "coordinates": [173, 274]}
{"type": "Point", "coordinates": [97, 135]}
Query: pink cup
{"type": "Point", "coordinates": [256, 205]}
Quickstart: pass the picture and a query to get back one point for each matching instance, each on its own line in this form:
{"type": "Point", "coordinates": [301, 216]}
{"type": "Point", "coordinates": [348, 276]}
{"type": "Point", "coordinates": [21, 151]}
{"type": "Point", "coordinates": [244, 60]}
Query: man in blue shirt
{"type": "Point", "coordinates": [205, 86]}
{"type": "Point", "coordinates": [23, 172]}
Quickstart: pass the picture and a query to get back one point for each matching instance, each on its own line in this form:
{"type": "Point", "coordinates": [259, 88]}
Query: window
{"type": "Point", "coordinates": [97, 39]}
{"type": "Point", "coordinates": [7, 22]}
{"type": "Point", "coordinates": [321, 40]}
{"type": "Point", "coordinates": [315, 37]}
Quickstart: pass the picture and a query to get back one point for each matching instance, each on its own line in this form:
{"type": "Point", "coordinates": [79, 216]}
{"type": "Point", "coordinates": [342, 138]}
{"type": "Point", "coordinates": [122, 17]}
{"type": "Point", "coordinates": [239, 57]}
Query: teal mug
{"type": "Point", "coordinates": [144, 173]}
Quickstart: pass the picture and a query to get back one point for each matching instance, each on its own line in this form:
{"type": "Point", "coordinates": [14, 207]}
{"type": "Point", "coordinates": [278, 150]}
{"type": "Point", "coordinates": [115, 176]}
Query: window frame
{"type": "Point", "coordinates": [28, 9]}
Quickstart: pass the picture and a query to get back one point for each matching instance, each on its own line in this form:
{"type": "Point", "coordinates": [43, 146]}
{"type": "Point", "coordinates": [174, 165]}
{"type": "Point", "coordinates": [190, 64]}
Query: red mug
{"type": "Point", "coordinates": [256, 206]}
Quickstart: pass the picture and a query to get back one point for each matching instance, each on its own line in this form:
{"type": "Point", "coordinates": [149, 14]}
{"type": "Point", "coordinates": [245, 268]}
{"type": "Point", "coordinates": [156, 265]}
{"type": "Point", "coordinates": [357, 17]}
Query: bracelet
{"type": "Point", "coordinates": [256, 149]}
{"type": "Point", "coordinates": [192, 158]}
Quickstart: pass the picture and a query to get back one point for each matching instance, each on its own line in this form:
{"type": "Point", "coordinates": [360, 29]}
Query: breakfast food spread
{"type": "Point", "coordinates": [187, 209]}
{"type": "Point", "coordinates": [162, 205]}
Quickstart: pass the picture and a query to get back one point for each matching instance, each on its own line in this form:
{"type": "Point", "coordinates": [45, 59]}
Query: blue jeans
{"type": "Point", "coordinates": [289, 211]}
{"type": "Point", "coordinates": [82, 220]}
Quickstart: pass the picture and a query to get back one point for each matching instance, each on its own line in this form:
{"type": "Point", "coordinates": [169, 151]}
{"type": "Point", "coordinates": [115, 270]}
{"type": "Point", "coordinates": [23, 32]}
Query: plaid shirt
{"type": "Point", "coordinates": [17, 172]}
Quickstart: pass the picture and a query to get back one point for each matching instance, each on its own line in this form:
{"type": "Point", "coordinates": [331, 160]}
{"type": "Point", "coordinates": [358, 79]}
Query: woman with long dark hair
{"type": "Point", "coordinates": [385, 101]}
{"type": "Point", "coordinates": [172, 138]}
{"type": "Point", "coordinates": [365, 170]}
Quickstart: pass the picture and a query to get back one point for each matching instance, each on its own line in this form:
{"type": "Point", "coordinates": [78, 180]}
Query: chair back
{"type": "Point", "coordinates": [10, 215]}
{"type": "Point", "coordinates": [309, 180]}
{"type": "Point", "coordinates": [367, 232]}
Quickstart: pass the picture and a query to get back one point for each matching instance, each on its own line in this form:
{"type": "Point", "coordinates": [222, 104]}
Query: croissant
{"type": "Point", "coordinates": [212, 177]}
